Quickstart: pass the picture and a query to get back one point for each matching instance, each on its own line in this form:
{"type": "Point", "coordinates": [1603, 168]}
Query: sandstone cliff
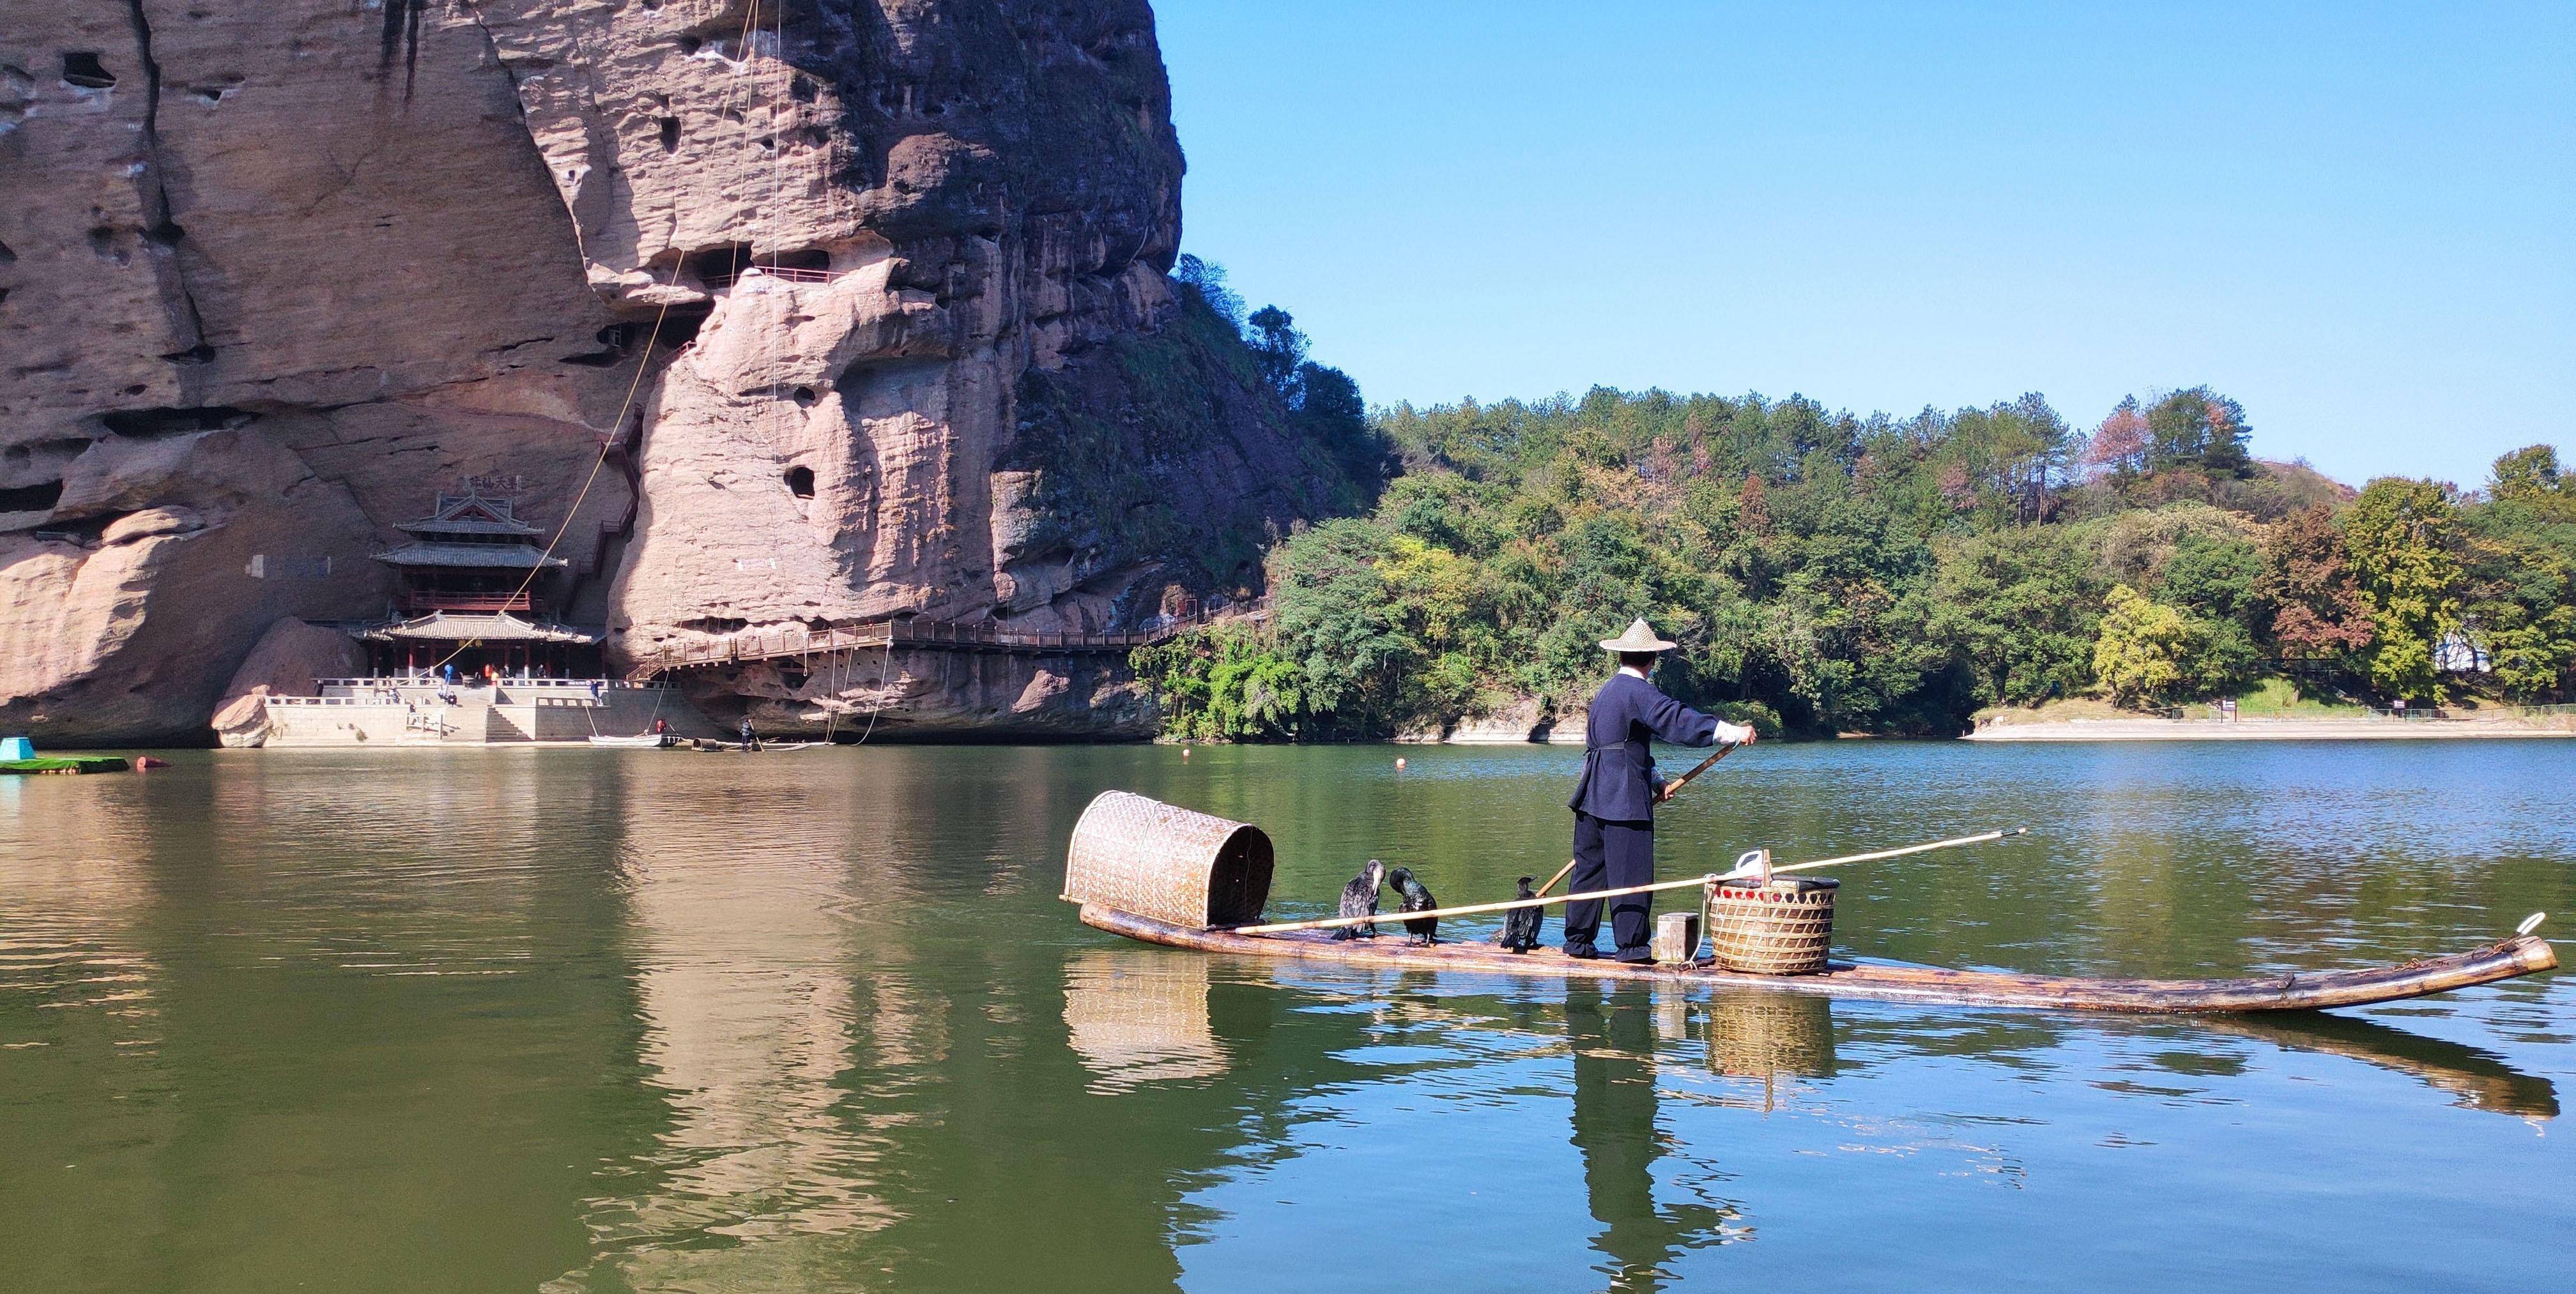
{"type": "Point", "coordinates": [273, 275]}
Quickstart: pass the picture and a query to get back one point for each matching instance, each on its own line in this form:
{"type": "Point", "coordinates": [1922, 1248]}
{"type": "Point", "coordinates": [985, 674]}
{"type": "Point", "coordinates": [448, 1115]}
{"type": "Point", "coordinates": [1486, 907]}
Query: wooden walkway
{"type": "Point", "coordinates": [794, 642]}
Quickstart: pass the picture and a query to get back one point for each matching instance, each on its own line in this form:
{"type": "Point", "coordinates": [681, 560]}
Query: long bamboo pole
{"type": "Point", "coordinates": [1330, 923]}
{"type": "Point", "coordinates": [1671, 789]}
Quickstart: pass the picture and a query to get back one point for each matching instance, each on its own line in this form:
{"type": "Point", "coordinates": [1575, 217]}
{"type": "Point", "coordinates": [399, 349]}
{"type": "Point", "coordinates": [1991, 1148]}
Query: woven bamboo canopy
{"type": "Point", "coordinates": [1175, 865]}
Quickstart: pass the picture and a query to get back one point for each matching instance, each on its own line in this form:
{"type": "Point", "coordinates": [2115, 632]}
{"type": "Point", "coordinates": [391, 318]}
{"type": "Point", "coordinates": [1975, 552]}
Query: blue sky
{"type": "Point", "coordinates": [2359, 220]}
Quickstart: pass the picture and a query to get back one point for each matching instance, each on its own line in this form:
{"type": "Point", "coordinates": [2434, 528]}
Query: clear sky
{"type": "Point", "coordinates": [2358, 220]}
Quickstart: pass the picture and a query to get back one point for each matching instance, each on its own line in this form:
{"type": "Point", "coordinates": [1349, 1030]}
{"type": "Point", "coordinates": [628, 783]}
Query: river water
{"type": "Point", "coordinates": [569, 1020]}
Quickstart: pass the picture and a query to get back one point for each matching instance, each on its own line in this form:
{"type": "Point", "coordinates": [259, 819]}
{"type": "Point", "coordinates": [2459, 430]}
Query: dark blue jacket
{"type": "Point", "coordinates": [1619, 779]}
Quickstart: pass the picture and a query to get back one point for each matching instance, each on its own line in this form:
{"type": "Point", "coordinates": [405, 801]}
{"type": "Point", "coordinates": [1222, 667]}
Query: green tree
{"type": "Point", "coordinates": [1277, 349]}
{"type": "Point", "coordinates": [2142, 648]}
{"type": "Point", "coordinates": [2202, 429]}
{"type": "Point", "coordinates": [2019, 611]}
{"type": "Point", "coordinates": [2399, 535]}
{"type": "Point", "coordinates": [2213, 576]}
{"type": "Point", "coordinates": [2529, 474]}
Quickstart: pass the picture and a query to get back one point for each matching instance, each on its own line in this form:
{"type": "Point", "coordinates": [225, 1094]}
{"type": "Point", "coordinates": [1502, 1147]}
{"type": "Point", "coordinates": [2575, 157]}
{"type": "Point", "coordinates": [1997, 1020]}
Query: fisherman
{"type": "Point", "coordinates": [1614, 804]}
{"type": "Point", "coordinates": [750, 738]}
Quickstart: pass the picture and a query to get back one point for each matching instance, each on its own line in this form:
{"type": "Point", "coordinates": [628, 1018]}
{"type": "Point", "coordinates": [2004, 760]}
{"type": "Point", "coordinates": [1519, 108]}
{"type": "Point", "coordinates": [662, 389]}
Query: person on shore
{"type": "Point", "coordinates": [750, 739]}
{"type": "Point", "coordinates": [1614, 804]}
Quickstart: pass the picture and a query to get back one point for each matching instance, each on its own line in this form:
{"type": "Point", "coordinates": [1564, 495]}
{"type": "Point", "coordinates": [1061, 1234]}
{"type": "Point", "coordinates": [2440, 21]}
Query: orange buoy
{"type": "Point", "coordinates": [1399, 763]}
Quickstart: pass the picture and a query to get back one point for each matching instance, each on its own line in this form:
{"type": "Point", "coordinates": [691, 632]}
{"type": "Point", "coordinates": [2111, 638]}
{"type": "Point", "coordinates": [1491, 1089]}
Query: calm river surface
{"type": "Point", "coordinates": [573, 1020]}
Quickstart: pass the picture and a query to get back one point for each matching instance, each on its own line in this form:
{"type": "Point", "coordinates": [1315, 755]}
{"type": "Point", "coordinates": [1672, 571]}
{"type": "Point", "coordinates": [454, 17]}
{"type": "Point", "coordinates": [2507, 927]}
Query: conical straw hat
{"type": "Point", "coordinates": [1638, 638]}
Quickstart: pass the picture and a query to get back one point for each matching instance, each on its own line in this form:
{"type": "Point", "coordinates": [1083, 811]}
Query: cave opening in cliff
{"type": "Point", "coordinates": [81, 68]}
{"type": "Point", "coordinates": [40, 497]}
{"type": "Point", "coordinates": [800, 481]}
{"type": "Point", "coordinates": [680, 324]}
{"type": "Point", "coordinates": [717, 266]}
{"type": "Point", "coordinates": [152, 424]}
{"type": "Point", "coordinates": [670, 134]}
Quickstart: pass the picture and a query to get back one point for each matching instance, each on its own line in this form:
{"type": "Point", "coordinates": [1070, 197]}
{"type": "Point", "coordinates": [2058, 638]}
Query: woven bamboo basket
{"type": "Point", "coordinates": [1172, 864]}
{"type": "Point", "coordinates": [1780, 928]}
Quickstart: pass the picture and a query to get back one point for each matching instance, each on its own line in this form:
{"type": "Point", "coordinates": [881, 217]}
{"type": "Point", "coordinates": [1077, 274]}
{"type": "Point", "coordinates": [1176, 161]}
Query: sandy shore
{"type": "Point", "coordinates": [2264, 730]}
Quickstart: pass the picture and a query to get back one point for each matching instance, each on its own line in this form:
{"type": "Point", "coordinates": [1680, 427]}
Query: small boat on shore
{"type": "Point", "coordinates": [66, 764]}
{"type": "Point", "coordinates": [1165, 875]}
{"type": "Point", "coordinates": [18, 756]}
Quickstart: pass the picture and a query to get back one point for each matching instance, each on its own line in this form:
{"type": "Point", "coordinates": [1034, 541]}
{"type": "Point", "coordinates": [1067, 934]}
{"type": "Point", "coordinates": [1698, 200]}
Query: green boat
{"type": "Point", "coordinates": [66, 764]}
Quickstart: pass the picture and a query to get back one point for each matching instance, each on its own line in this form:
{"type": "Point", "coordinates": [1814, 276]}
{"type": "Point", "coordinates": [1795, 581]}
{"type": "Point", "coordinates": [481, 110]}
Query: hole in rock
{"type": "Point", "coordinates": [150, 424]}
{"type": "Point", "coordinates": [690, 44]}
{"type": "Point", "coordinates": [800, 482]}
{"type": "Point", "coordinates": [32, 498]}
{"type": "Point", "coordinates": [166, 234]}
{"type": "Point", "coordinates": [102, 241]}
{"type": "Point", "coordinates": [82, 68]}
{"type": "Point", "coordinates": [801, 89]}
{"type": "Point", "coordinates": [200, 353]}
{"type": "Point", "coordinates": [804, 397]}
{"type": "Point", "coordinates": [680, 326]}
{"type": "Point", "coordinates": [803, 258]}
{"type": "Point", "coordinates": [670, 134]}
{"type": "Point", "coordinates": [717, 266]}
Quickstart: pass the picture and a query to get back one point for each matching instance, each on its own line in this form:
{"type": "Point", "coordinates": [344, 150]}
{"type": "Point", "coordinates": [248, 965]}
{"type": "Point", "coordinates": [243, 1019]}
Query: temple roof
{"type": "Point", "coordinates": [469, 514]}
{"type": "Point", "coordinates": [439, 626]}
{"type": "Point", "coordinates": [513, 556]}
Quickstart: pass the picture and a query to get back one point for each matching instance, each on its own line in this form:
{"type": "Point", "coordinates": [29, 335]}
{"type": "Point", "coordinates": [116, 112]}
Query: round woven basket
{"type": "Point", "coordinates": [1783, 928]}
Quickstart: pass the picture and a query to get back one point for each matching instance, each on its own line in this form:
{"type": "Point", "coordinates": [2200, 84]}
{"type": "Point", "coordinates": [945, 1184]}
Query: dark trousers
{"type": "Point", "coordinates": [1609, 856]}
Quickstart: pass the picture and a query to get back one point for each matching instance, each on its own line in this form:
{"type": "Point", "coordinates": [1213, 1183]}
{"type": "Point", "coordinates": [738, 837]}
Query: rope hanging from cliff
{"type": "Point", "coordinates": [884, 666]}
{"type": "Point", "coordinates": [643, 362]}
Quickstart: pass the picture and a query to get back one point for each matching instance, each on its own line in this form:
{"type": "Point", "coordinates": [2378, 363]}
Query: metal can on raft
{"type": "Point", "coordinates": [1784, 927]}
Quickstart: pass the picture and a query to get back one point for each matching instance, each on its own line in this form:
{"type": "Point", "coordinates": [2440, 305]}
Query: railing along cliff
{"type": "Point", "coordinates": [797, 641]}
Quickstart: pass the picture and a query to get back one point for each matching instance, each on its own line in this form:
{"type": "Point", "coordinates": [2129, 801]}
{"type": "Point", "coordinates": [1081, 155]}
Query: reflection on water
{"type": "Point", "coordinates": [748, 1023]}
{"type": "Point", "coordinates": [576, 1020]}
{"type": "Point", "coordinates": [1137, 1016]}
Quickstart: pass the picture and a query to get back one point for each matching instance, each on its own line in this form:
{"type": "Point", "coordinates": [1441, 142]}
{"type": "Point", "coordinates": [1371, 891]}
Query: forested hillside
{"type": "Point", "coordinates": [1828, 572]}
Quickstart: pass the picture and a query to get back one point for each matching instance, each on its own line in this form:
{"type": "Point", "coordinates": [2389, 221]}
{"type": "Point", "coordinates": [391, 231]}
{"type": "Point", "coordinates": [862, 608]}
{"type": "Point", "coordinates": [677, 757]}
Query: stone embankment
{"type": "Point", "coordinates": [2321, 729]}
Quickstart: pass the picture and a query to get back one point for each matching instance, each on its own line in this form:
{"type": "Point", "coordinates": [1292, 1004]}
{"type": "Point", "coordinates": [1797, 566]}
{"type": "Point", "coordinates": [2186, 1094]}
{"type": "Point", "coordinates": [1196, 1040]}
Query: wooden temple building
{"type": "Point", "coordinates": [474, 595]}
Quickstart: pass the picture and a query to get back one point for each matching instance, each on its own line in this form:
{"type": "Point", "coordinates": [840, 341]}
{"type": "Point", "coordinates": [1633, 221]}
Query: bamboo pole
{"type": "Point", "coordinates": [1470, 909]}
{"type": "Point", "coordinates": [1671, 789]}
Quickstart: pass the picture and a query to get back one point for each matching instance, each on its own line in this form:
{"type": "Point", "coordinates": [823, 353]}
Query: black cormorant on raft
{"type": "Point", "coordinates": [1167, 875]}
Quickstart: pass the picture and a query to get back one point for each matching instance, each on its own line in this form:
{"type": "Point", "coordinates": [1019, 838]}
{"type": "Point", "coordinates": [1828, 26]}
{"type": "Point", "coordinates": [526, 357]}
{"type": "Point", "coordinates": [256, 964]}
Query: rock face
{"type": "Point", "coordinates": [272, 276]}
{"type": "Point", "coordinates": [291, 659]}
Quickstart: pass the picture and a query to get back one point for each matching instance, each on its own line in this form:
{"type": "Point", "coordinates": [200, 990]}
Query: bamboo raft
{"type": "Point", "coordinates": [1165, 875]}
